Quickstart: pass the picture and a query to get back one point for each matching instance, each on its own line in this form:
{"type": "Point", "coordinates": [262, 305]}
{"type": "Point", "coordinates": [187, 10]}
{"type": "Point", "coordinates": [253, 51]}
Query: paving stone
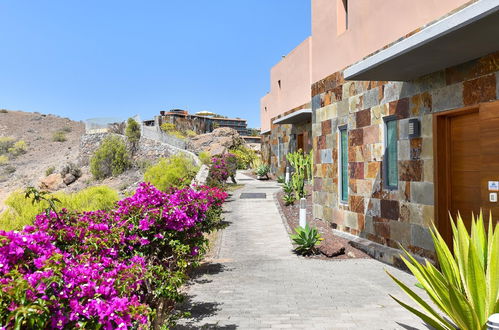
{"type": "Point", "coordinates": [266, 286]}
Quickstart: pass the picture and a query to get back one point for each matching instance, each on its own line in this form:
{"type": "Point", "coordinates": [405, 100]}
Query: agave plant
{"type": "Point", "coordinates": [466, 288]}
{"type": "Point", "coordinates": [307, 240]}
{"type": "Point", "coordinates": [289, 199]}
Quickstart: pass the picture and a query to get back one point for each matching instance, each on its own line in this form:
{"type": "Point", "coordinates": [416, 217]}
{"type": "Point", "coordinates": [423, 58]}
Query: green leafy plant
{"type": "Point", "coordinates": [205, 157]}
{"type": "Point", "coordinates": [176, 171]}
{"type": "Point", "coordinates": [6, 143]}
{"type": "Point", "coordinates": [289, 199]}
{"type": "Point", "coordinates": [171, 129]}
{"type": "Point", "coordinates": [4, 160]}
{"type": "Point", "coordinates": [281, 179]}
{"type": "Point", "coordinates": [22, 211]}
{"type": "Point", "coordinates": [298, 183]}
{"type": "Point", "coordinates": [307, 240]}
{"type": "Point", "coordinates": [110, 159]}
{"type": "Point", "coordinates": [288, 188]}
{"type": "Point", "coordinates": [245, 157]}
{"type": "Point", "coordinates": [132, 132]}
{"type": "Point", "coordinates": [301, 162]}
{"type": "Point", "coordinates": [19, 148]}
{"type": "Point", "coordinates": [59, 136]}
{"type": "Point", "coordinates": [466, 288]}
{"type": "Point", "coordinates": [263, 171]}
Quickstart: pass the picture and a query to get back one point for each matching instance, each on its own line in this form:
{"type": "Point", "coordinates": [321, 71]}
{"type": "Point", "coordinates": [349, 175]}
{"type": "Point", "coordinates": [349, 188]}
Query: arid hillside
{"type": "Point", "coordinates": [50, 141]}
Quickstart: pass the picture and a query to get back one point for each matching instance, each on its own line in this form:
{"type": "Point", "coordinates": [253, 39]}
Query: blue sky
{"type": "Point", "coordinates": [95, 58]}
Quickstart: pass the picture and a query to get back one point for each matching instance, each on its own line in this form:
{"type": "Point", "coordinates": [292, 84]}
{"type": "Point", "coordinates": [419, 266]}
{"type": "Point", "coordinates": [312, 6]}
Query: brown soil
{"type": "Point", "coordinates": [332, 246]}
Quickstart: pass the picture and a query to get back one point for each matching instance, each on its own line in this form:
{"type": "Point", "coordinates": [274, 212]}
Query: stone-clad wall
{"type": "Point", "coordinates": [386, 216]}
{"type": "Point", "coordinates": [287, 135]}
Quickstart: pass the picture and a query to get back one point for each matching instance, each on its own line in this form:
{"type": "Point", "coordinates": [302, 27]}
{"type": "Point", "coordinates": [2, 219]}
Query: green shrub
{"type": "Point", "coordinates": [66, 129]}
{"type": "Point", "coordinates": [176, 171]}
{"type": "Point", "coordinates": [302, 163]}
{"type": "Point", "coordinates": [19, 148]}
{"type": "Point", "coordinates": [167, 127]}
{"type": "Point", "coordinates": [50, 170]}
{"type": "Point", "coordinates": [4, 160]}
{"type": "Point", "coordinates": [307, 240]}
{"type": "Point", "coordinates": [298, 183]}
{"type": "Point", "coordinates": [190, 133]}
{"type": "Point", "coordinates": [110, 159]}
{"type": "Point", "coordinates": [59, 136]}
{"type": "Point", "coordinates": [22, 211]}
{"type": "Point", "coordinates": [6, 143]}
{"type": "Point", "coordinates": [3, 111]}
{"type": "Point", "coordinates": [205, 157]}
{"type": "Point", "coordinates": [171, 129]}
{"type": "Point", "coordinates": [466, 288]}
{"type": "Point", "coordinates": [289, 199]}
{"type": "Point", "coordinates": [245, 157]}
{"type": "Point", "coordinates": [262, 170]}
{"type": "Point", "coordinates": [132, 131]}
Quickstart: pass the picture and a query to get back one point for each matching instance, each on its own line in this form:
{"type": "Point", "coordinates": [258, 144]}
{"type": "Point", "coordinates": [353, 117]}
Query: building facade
{"type": "Point", "coordinates": [198, 123]}
{"type": "Point", "coordinates": [404, 116]}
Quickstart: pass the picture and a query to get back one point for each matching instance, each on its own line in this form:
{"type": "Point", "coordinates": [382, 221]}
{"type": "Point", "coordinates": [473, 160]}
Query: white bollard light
{"type": "Point", "coordinates": [493, 322]}
{"type": "Point", "coordinates": [287, 174]}
{"type": "Point", "coordinates": [303, 212]}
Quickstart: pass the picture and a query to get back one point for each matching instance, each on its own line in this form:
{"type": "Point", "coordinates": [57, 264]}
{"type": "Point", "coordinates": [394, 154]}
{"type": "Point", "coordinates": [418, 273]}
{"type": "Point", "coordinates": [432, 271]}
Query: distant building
{"type": "Point", "coordinates": [202, 122]}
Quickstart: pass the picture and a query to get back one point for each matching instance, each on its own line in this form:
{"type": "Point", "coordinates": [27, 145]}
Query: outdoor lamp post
{"type": "Point", "coordinates": [303, 212]}
{"type": "Point", "coordinates": [493, 322]}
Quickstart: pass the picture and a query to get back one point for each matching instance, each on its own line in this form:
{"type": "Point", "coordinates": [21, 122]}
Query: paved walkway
{"type": "Point", "coordinates": [256, 281]}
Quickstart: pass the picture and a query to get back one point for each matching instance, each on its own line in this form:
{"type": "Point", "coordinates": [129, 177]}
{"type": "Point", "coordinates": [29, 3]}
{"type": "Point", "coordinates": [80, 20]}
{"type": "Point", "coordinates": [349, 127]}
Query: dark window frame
{"type": "Point", "coordinates": [386, 160]}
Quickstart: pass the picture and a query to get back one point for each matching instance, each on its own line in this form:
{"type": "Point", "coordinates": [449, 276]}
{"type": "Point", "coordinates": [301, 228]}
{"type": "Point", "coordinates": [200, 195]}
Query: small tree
{"type": "Point", "coordinates": [110, 159]}
{"type": "Point", "coordinates": [132, 133]}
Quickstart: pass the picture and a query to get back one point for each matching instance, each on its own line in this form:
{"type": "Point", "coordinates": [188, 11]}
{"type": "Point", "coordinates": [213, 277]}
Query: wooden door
{"type": "Point", "coordinates": [466, 159]}
{"type": "Point", "coordinates": [464, 166]}
{"type": "Point", "coordinates": [489, 148]}
{"type": "Point", "coordinates": [299, 142]}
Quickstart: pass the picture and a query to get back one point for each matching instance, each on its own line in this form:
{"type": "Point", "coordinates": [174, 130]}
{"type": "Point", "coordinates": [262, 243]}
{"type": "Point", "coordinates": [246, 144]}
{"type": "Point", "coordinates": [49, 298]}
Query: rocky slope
{"type": "Point", "coordinates": [37, 130]}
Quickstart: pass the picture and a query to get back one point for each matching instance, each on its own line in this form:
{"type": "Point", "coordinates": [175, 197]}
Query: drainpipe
{"type": "Point", "coordinates": [303, 212]}
{"type": "Point", "coordinates": [493, 322]}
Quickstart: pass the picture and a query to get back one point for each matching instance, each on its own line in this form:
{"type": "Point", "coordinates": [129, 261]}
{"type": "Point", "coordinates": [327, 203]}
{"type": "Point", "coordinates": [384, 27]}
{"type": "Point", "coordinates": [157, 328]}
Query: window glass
{"type": "Point", "coordinates": [391, 154]}
{"type": "Point", "coordinates": [344, 164]}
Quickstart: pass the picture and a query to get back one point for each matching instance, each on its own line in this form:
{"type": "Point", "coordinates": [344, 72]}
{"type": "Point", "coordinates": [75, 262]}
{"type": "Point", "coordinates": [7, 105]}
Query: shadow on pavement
{"type": "Point", "coordinates": [407, 327]}
{"type": "Point", "coordinates": [200, 311]}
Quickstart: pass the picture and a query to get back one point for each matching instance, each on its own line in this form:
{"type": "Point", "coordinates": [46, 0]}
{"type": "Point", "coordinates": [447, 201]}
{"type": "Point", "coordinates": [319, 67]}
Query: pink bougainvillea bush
{"type": "Point", "coordinates": [222, 167]}
{"type": "Point", "coordinates": [118, 269]}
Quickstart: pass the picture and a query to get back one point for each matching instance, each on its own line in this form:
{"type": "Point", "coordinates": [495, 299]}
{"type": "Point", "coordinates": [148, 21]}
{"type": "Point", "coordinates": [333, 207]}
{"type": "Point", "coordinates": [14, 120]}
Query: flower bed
{"type": "Point", "coordinates": [121, 268]}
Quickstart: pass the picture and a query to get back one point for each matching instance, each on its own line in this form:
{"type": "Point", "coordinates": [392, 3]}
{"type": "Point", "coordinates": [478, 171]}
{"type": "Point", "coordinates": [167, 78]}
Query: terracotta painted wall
{"type": "Point", "coordinates": [294, 73]}
{"type": "Point", "coordinates": [372, 24]}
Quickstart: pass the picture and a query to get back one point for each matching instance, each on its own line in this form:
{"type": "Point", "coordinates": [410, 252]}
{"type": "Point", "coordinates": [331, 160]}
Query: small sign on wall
{"type": "Point", "coordinates": [493, 185]}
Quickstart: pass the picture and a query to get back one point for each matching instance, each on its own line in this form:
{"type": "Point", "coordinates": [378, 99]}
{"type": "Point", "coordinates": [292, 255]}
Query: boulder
{"type": "Point", "coordinates": [216, 142]}
{"type": "Point", "coordinates": [52, 182]}
{"type": "Point", "coordinates": [69, 179]}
